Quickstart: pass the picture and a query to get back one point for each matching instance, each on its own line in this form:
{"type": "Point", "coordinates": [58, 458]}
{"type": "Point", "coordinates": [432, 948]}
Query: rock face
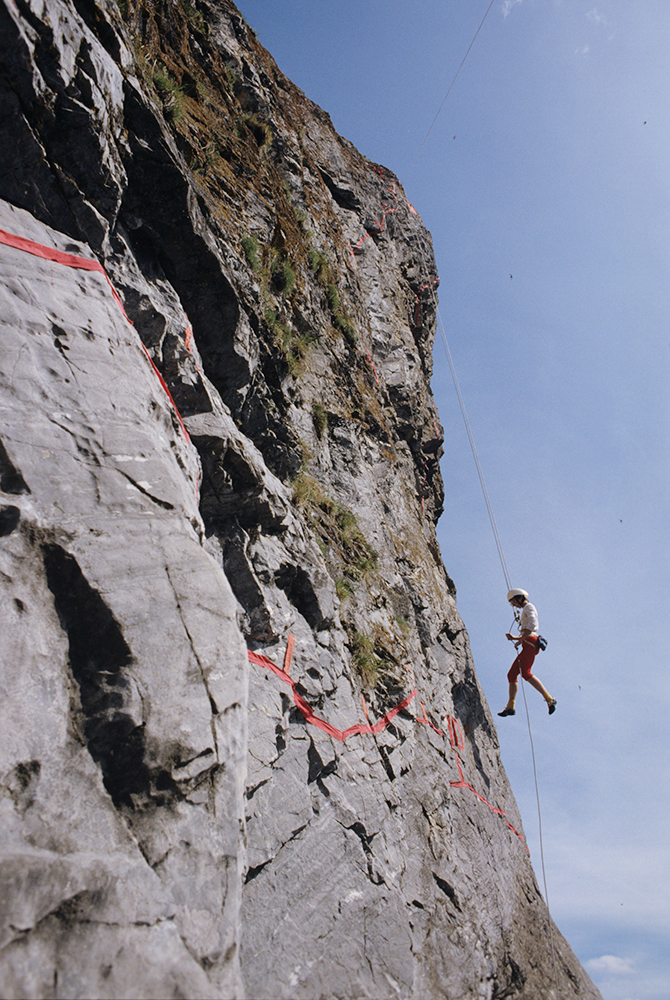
{"type": "Point", "coordinates": [244, 751]}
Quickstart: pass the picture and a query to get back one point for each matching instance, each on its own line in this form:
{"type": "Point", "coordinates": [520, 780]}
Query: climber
{"type": "Point", "coordinates": [529, 642]}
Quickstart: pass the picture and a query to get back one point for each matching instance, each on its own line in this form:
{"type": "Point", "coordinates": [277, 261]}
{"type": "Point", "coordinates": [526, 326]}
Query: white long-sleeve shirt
{"type": "Point", "coordinates": [529, 619]}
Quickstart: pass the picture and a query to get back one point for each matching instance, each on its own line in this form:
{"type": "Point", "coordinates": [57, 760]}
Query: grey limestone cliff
{"type": "Point", "coordinates": [244, 751]}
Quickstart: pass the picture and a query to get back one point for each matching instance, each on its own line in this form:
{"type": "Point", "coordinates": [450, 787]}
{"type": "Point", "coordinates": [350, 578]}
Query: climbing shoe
{"type": "Point", "coordinates": [552, 706]}
{"type": "Point", "coordinates": [512, 711]}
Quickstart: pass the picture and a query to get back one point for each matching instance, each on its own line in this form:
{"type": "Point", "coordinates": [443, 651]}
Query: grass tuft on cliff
{"type": "Point", "coordinates": [171, 93]}
{"type": "Point", "coordinates": [341, 540]}
{"type": "Point", "coordinates": [364, 660]}
{"type": "Point", "coordinates": [320, 418]}
{"type": "Point", "coordinates": [250, 247]}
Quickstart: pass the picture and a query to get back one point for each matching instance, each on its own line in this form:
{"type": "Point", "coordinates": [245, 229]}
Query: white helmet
{"type": "Point", "coordinates": [516, 593]}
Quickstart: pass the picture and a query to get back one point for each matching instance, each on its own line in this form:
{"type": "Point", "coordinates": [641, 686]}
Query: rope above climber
{"type": "Point", "coordinates": [529, 641]}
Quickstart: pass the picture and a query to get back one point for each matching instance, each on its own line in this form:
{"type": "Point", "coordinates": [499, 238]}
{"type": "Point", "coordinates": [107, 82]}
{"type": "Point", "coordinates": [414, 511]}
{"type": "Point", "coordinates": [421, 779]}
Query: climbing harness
{"type": "Point", "coordinates": [541, 641]}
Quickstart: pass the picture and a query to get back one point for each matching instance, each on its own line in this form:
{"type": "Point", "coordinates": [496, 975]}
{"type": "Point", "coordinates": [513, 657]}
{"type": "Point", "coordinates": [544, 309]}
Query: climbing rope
{"type": "Point", "coordinates": [489, 508]}
{"type": "Point", "coordinates": [482, 482]}
{"type": "Point", "coordinates": [503, 563]}
{"type": "Point", "coordinates": [473, 448]}
{"type": "Point", "coordinates": [444, 99]}
{"type": "Point", "coordinates": [539, 819]}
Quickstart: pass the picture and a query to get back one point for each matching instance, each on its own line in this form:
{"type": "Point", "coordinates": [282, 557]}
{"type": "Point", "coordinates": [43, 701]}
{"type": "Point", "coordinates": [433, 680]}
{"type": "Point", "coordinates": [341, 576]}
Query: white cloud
{"type": "Point", "coordinates": [507, 6]}
{"type": "Point", "coordinates": [600, 21]}
{"type": "Point", "coordinates": [596, 17]}
{"type": "Point", "coordinates": [583, 50]}
{"type": "Point", "coordinates": [612, 965]}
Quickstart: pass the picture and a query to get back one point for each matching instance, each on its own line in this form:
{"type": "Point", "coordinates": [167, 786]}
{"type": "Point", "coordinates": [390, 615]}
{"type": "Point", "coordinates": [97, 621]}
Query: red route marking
{"type": "Point", "coordinates": [417, 306]}
{"type": "Point", "coordinates": [427, 720]}
{"type": "Point", "coordinates": [457, 742]}
{"type": "Point", "coordinates": [59, 257]}
{"type": "Point", "coordinates": [288, 655]}
{"type": "Point", "coordinates": [84, 264]}
{"type": "Point", "coordinates": [381, 228]}
{"type": "Point", "coordinates": [456, 734]}
{"type": "Point", "coordinates": [464, 784]}
{"type": "Point", "coordinates": [337, 734]}
{"type": "Point", "coordinates": [167, 391]}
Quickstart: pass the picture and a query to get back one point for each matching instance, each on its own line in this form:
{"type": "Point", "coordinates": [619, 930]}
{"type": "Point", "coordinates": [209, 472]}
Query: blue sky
{"type": "Point", "coordinates": [548, 163]}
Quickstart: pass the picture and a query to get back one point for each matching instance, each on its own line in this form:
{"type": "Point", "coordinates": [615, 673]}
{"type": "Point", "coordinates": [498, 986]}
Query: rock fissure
{"type": "Point", "coordinates": [448, 891]}
{"type": "Point", "coordinates": [213, 707]}
{"type": "Point", "coordinates": [253, 873]}
{"type": "Point", "coordinates": [141, 489]}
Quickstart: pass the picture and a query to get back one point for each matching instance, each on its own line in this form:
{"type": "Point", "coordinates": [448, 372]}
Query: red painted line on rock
{"type": "Point", "coordinates": [456, 734]}
{"type": "Point", "coordinates": [374, 367]}
{"type": "Point", "coordinates": [367, 236]}
{"type": "Point", "coordinates": [418, 304]}
{"type": "Point", "coordinates": [494, 809]}
{"type": "Point", "coordinates": [166, 391]}
{"type": "Point", "coordinates": [59, 257]}
{"type": "Point", "coordinates": [457, 742]}
{"type": "Point", "coordinates": [84, 264]}
{"type": "Point", "coordinates": [360, 729]}
{"type": "Point", "coordinates": [288, 655]}
{"type": "Point", "coordinates": [427, 721]}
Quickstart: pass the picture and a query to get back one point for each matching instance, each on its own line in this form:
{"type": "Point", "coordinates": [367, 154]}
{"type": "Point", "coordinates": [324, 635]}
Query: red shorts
{"type": "Point", "coordinates": [525, 659]}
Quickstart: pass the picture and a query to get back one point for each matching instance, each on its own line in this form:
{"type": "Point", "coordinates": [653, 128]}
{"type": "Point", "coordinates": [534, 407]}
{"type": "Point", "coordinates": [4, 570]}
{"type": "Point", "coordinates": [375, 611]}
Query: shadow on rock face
{"type": "Point", "coordinates": [9, 519]}
{"type": "Point", "coordinates": [11, 480]}
{"type": "Point", "coordinates": [100, 658]}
